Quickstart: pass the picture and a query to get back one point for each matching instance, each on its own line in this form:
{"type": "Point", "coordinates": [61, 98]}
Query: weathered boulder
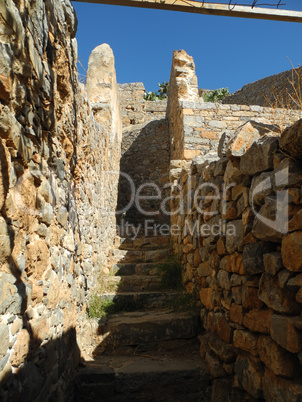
{"type": "Point", "coordinates": [279, 389]}
{"type": "Point", "coordinates": [291, 251]}
{"type": "Point", "coordinates": [271, 221]}
{"type": "Point", "coordinates": [259, 156]}
{"type": "Point", "coordinates": [288, 173]}
{"type": "Point", "coordinates": [246, 340]}
{"type": "Point", "coordinates": [274, 357]}
{"type": "Point", "coordinates": [275, 297]}
{"type": "Point", "coordinates": [272, 262]}
{"type": "Point", "coordinates": [232, 173]}
{"type": "Point", "coordinates": [291, 140]}
{"type": "Point", "coordinates": [249, 372]}
{"type": "Point", "coordinates": [261, 187]}
{"type": "Point", "coordinates": [284, 332]}
{"type": "Point", "coordinates": [258, 320]}
{"type": "Point", "coordinates": [246, 135]}
{"type": "Point", "coordinates": [253, 257]}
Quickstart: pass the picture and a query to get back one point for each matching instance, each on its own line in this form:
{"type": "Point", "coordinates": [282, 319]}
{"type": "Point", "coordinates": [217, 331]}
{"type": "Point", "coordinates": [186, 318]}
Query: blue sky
{"type": "Point", "coordinates": [228, 52]}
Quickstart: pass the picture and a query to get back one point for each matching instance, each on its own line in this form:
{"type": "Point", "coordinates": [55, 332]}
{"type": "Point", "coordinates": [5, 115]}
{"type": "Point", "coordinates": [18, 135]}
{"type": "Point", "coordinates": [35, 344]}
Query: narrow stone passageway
{"type": "Point", "coordinates": [150, 350]}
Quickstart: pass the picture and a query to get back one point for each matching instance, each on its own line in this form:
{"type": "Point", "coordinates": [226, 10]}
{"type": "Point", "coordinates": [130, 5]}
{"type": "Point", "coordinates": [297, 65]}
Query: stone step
{"type": "Point", "coordinates": [134, 283]}
{"type": "Point", "coordinates": [155, 242]}
{"type": "Point", "coordinates": [130, 329]}
{"type": "Point", "coordinates": [153, 378]}
{"type": "Point", "coordinates": [141, 256]}
{"type": "Point", "coordinates": [147, 268]}
{"type": "Point", "coordinates": [139, 301]}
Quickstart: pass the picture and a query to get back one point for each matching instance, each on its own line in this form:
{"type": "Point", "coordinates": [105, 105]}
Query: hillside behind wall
{"type": "Point", "coordinates": [56, 199]}
{"type": "Point", "coordinates": [239, 259]}
{"type": "Point", "coordinates": [277, 90]}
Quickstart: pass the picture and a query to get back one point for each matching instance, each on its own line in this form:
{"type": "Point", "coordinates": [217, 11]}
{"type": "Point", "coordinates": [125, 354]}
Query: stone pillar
{"type": "Point", "coordinates": [183, 87]}
{"type": "Point", "coordinates": [102, 92]}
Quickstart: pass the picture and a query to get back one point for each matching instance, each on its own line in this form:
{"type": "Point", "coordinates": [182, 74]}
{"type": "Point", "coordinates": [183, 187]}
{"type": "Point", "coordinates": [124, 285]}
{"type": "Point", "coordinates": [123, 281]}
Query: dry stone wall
{"type": "Point", "coordinates": [235, 224]}
{"type": "Point", "coordinates": [54, 218]}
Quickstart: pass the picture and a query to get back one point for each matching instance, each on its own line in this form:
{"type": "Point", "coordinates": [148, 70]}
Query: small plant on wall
{"type": "Point", "coordinates": [216, 95]}
{"type": "Point", "coordinates": [161, 94]}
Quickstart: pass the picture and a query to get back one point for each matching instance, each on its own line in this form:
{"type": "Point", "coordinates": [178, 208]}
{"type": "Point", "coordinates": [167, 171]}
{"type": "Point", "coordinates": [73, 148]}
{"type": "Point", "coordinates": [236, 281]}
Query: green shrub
{"type": "Point", "coordinates": [216, 95]}
{"type": "Point", "coordinates": [161, 94]}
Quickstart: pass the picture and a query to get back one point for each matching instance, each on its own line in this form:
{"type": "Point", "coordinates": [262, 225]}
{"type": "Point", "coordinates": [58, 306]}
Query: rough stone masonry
{"type": "Point", "coordinates": [60, 154]}
{"type": "Point", "coordinates": [236, 214]}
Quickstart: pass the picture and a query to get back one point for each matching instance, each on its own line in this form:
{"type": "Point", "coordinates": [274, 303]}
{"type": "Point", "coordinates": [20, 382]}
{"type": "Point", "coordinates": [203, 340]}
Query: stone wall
{"type": "Point", "coordinates": [197, 126]}
{"type": "Point", "coordinates": [134, 109]}
{"type": "Point", "coordinates": [145, 158]}
{"type": "Point", "coordinates": [236, 225]}
{"type": "Point", "coordinates": [54, 153]}
{"type": "Point", "coordinates": [276, 91]}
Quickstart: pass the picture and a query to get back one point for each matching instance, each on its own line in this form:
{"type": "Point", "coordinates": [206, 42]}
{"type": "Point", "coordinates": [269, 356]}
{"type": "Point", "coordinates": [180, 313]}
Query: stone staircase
{"type": "Point", "coordinates": [150, 351]}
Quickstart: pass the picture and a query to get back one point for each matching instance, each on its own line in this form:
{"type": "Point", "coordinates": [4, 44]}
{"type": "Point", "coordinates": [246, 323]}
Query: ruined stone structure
{"type": "Point", "coordinates": [229, 170]}
{"type": "Point", "coordinates": [145, 156]}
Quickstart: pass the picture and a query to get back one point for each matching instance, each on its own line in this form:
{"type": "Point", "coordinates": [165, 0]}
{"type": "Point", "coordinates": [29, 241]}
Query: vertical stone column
{"type": "Point", "coordinates": [183, 87]}
{"type": "Point", "coordinates": [103, 96]}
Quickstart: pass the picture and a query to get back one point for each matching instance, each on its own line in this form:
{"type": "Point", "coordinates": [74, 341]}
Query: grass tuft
{"type": "Point", "coordinates": [171, 273]}
{"type": "Point", "coordinates": [98, 307]}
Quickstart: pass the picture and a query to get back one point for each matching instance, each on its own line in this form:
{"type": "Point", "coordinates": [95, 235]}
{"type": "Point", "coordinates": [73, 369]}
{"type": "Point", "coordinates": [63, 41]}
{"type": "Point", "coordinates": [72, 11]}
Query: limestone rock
{"type": "Point", "coordinates": [271, 221]}
{"type": "Point", "coordinates": [223, 279]}
{"type": "Point", "coordinates": [249, 372]}
{"type": "Point", "coordinates": [37, 259]}
{"type": "Point", "coordinates": [236, 313]}
{"type": "Point", "coordinates": [246, 135]}
{"type": "Point", "coordinates": [283, 331]}
{"type": "Point", "coordinates": [261, 187]}
{"type": "Point", "coordinates": [235, 235]}
{"type": "Point", "coordinates": [258, 320]}
{"type": "Point", "coordinates": [4, 344]}
{"type": "Point", "coordinates": [223, 143]}
{"type": "Point", "coordinates": [291, 140]}
{"type": "Point", "coordinates": [279, 299]}
{"type": "Point", "coordinates": [247, 341]}
{"type": "Point", "coordinates": [233, 174]}
{"type": "Point", "coordinates": [278, 360]}
{"type": "Point", "coordinates": [291, 251]}
{"type": "Point", "coordinates": [21, 348]}
{"type": "Point", "coordinates": [10, 295]}
{"type": "Point", "coordinates": [259, 156]}
{"type": "Point", "coordinates": [279, 390]}
{"type": "Point", "coordinates": [214, 366]}
{"type": "Point", "coordinates": [206, 297]}
{"type": "Point", "coordinates": [252, 257]}
{"type": "Point", "coordinates": [272, 262]}
{"type": "Point", "coordinates": [5, 241]}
